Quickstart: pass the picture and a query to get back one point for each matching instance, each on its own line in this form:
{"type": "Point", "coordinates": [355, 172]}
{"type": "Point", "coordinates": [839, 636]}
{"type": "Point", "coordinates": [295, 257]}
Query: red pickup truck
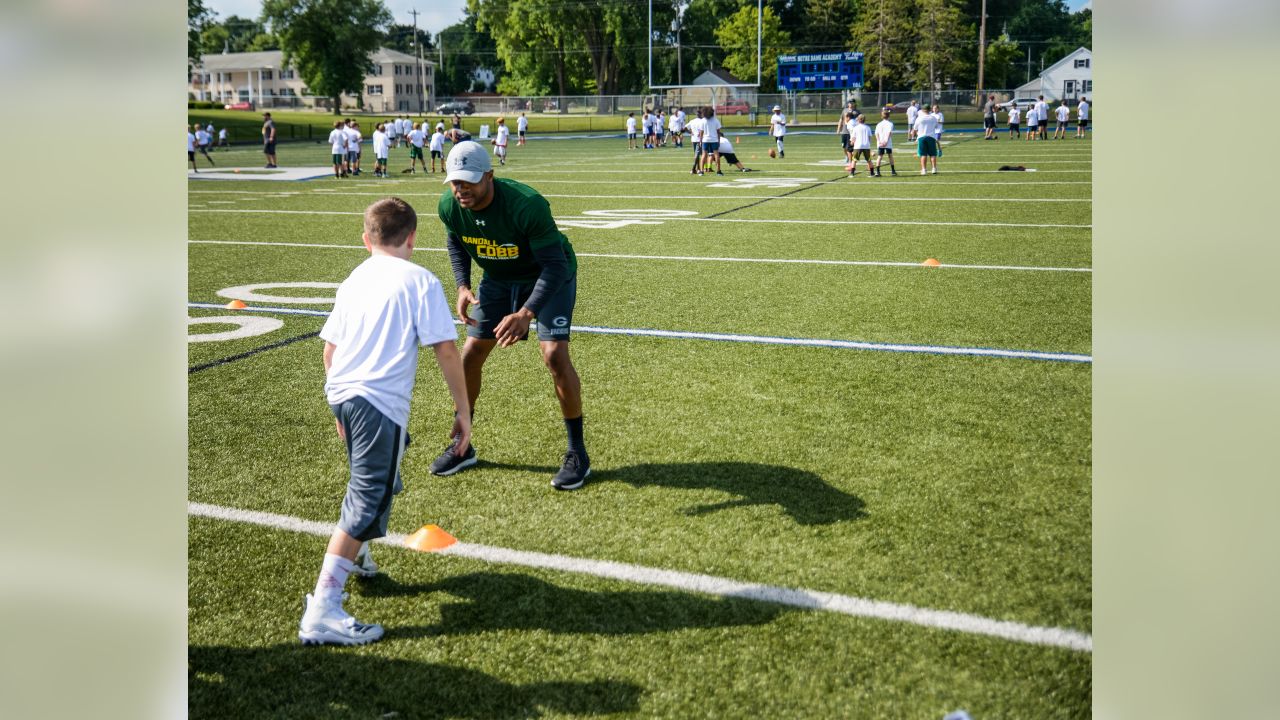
{"type": "Point", "coordinates": [238, 106]}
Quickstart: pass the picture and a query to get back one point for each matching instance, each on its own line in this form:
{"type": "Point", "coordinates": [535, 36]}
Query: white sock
{"type": "Point", "coordinates": [333, 577]}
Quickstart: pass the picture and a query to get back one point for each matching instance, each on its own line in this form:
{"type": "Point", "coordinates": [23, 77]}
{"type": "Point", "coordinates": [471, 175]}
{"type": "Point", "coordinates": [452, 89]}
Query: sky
{"type": "Point", "coordinates": [435, 15]}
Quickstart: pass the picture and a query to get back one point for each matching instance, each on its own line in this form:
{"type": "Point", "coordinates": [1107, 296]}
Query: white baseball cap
{"type": "Point", "coordinates": [777, 107]}
{"type": "Point", "coordinates": [467, 162]}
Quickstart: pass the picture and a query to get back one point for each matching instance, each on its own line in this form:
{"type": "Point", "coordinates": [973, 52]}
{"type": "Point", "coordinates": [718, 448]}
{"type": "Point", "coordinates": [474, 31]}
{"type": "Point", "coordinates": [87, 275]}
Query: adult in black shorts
{"type": "Point", "coordinates": [989, 119]}
{"type": "Point", "coordinates": [842, 127]}
{"type": "Point", "coordinates": [269, 139]}
{"type": "Point", "coordinates": [530, 271]}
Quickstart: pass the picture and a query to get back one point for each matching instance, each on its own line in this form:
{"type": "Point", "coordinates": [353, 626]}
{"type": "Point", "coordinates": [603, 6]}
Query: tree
{"type": "Point", "coordinates": [400, 37]}
{"type": "Point", "coordinates": [884, 33]}
{"type": "Point", "coordinates": [328, 41]}
{"type": "Point", "coordinates": [943, 40]}
{"type": "Point", "coordinates": [236, 34]}
{"type": "Point", "coordinates": [737, 37]}
{"type": "Point", "coordinates": [1002, 54]}
{"type": "Point", "coordinates": [197, 17]}
{"type": "Point", "coordinates": [827, 25]}
{"type": "Point", "coordinates": [466, 49]}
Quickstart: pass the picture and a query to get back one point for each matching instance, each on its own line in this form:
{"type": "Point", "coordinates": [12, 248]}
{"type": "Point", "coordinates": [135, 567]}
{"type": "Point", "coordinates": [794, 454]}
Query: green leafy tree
{"type": "Point", "coordinates": [885, 34]}
{"type": "Point", "coordinates": [1002, 54]}
{"type": "Point", "coordinates": [943, 36]}
{"type": "Point", "coordinates": [532, 38]}
{"type": "Point", "coordinates": [400, 37]}
{"type": "Point", "coordinates": [328, 41]}
{"type": "Point", "coordinates": [236, 34]}
{"type": "Point", "coordinates": [737, 37]}
{"type": "Point", "coordinates": [466, 49]}
{"type": "Point", "coordinates": [826, 26]}
{"type": "Point", "coordinates": [197, 17]}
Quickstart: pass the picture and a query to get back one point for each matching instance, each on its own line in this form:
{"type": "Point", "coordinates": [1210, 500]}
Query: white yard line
{"type": "Point", "coordinates": [696, 583]}
{"type": "Point", "coordinates": [695, 219]}
{"type": "Point", "coordinates": [693, 258]}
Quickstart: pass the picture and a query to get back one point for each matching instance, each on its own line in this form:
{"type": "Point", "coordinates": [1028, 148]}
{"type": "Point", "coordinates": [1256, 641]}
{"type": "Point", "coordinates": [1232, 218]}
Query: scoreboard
{"type": "Point", "coordinates": [820, 71]}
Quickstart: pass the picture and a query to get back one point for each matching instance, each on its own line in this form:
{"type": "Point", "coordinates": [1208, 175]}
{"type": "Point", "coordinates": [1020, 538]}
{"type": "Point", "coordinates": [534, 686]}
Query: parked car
{"type": "Point", "coordinates": [733, 107]}
{"type": "Point", "coordinates": [238, 106]}
{"type": "Point", "coordinates": [460, 107]}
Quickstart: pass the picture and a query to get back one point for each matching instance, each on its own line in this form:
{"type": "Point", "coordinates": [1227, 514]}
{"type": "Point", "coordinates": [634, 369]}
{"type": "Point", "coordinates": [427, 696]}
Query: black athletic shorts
{"type": "Point", "coordinates": [863, 153]}
{"type": "Point", "coordinates": [1084, 122]}
{"type": "Point", "coordinates": [884, 151]}
{"type": "Point", "coordinates": [844, 141]}
{"type": "Point", "coordinates": [730, 158]}
{"type": "Point", "coordinates": [989, 123]}
{"type": "Point", "coordinates": [191, 155]}
{"type": "Point", "coordinates": [269, 148]}
{"type": "Point", "coordinates": [499, 299]}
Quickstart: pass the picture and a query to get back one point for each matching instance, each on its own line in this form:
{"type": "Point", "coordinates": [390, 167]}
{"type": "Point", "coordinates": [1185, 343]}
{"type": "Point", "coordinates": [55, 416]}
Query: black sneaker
{"type": "Point", "coordinates": [449, 463]}
{"type": "Point", "coordinates": [573, 473]}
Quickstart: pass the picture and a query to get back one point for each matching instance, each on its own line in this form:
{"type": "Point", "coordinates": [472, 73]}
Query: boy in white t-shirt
{"type": "Point", "coordinates": [353, 147]}
{"type": "Point", "coordinates": [1082, 117]}
{"type": "Point", "coordinates": [222, 138]}
{"type": "Point", "coordinates": [711, 134]}
{"type": "Point", "coordinates": [417, 138]}
{"type": "Point", "coordinates": [937, 133]}
{"type": "Point", "coordinates": [393, 132]}
{"type": "Point", "coordinates": [384, 311]}
{"type": "Point", "coordinates": [338, 148]}
{"type": "Point", "coordinates": [778, 128]}
{"type": "Point", "coordinates": [1015, 118]}
{"type": "Point", "coordinates": [912, 113]}
{"type": "Point", "coordinates": [499, 143]}
{"type": "Point", "coordinates": [1063, 114]}
{"type": "Point", "coordinates": [677, 130]}
{"type": "Point", "coordinates": [697, 131]}
{"type": "Point", "coordinates": [191, 150]}
{"type": "Point", "coordinates": [1033, 122]}
{"type": "Point", "coordinates": [437, 148]}
{"type": "Point", "coordinates": [631, 131]}
{"type": "Point", "coordinates": [884, 142]}
{"type": "Point", "coordinates": [203, 140]}
{"type": "Point", "coordinates": [381, 148]}
{"type": "Point", "coordinates": [860, 142]}
{"type": "Point", "coordinates": [1042, 117]}
{"type": "Point", "coordinates": [522, 127]}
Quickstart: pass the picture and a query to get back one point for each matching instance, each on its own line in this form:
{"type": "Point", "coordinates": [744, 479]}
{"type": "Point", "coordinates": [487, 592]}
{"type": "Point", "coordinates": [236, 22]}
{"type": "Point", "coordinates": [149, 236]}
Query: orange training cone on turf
{"type": "Point", "coordinates": [931, 262]}
{"type": "Point", "coordinates": [236, 305]}
{"type": "Point", "coordinates": [429, 538]}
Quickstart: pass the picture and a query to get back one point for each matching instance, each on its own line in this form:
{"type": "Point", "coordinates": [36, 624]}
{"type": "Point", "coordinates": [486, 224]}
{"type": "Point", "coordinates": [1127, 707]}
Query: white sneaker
{"type": "Point", "coordinates": [329, 624]}
{"type": "Point", "coordinates": [923, 172]}
{"type": "Point", "coordinates": [935, 171]}
{"type": "Point", "coordinates": [365, 567]}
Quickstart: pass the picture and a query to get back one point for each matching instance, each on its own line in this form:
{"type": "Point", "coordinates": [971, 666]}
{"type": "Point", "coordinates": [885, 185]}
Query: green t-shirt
{"type": "Point", "coordinates": [501, 238]}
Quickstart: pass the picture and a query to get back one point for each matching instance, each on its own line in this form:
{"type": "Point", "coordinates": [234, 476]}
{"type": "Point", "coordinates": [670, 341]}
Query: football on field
{"type": "Point", "coordinates": [773, 153]}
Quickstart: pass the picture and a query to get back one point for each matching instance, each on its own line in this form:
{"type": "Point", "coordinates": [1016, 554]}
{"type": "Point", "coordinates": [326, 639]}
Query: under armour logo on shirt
{"type": "Point", "coordinates": [479, 222]}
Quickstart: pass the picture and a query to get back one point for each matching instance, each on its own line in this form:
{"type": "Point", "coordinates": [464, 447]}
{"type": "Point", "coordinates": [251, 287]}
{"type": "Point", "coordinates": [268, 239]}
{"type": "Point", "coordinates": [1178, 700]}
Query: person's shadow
{"type": "Point", "coordinates": [801, 494]}
{"type": "Point", "coordinates": [511, 601]}
{"type": "Point", "coordinates": [311, 682]}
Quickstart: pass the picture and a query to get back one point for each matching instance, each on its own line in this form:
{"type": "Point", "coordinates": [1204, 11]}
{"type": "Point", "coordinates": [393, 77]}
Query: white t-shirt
{"type": "Point", "coordinates": [1082, 110]}
{"type": "Point", "coordinates": [381, 144]}
{"type": "Point", "coordinates": [338, 141]}
{"type": "Point", "coordinates": [202, 137]}
{"type": "Point", "coordinates": [697, 127]}
{"type": "Point", "coordinates": [912, 113]}
{"type": "Point", "coordinates": [711, 129]}
{"type": "Point", "coordinates": [1014, 114]}
{"type": "Point", "coordinates": [926, 124]}
{"type": "Point", "coordinates": [222, 134]}
{"type": "Point", "coordinates": [884, 134]}
{"type": "Point", "coordinates": [209, 129]}
{"type": "Point", "coordinates": [393, 128]}
{"type": "Point", "coordinates": [417, 137]}
{"type": "Point", "coordinates": [437, 141]}
{"type": "Point", "coordinates": [503, 133]}
{"type": "Point", "coordinates": [860, 136]}
{"type": "Point", "coordinates": [522, 123]}
{"type": "Point", "coordinates": [1032, 115]}
{"type": "Point", "coordinates": [353, 139]}
{"type": "Point", "coordinates": [725, 146]}
{"type": "Point", "coordinates": [673, 123]}
{"type": "Point", "coordinates": [384, 310]}
{"type": "Point", "coordinates": [191, 142]}
{"type": "Point", "coordinates": [938, 116]}
{"type": "Point", "coordinates": [779, 123]}
{"type": "Point", "coordinates": [1042, 110]}
{"type": "Point", "coordinates": [631, 126]}
{"type": "Point", "coordinates": [1064, 113]}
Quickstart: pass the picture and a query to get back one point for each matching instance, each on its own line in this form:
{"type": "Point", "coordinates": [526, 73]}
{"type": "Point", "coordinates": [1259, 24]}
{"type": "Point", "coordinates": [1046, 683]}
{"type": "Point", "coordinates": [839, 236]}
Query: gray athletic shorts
{"type": "Point", "coordinates": [499, 299]}
{"type": "Point", "coordinates": [374, 448]}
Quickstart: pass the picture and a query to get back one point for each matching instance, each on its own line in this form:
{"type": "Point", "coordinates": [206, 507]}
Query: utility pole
{"type": "Point", "coordinates": [1028, 62]}
{"type": "Point", "coordinates": [982, 53]}
{"type": "Point", "coordinates": [417, 85]}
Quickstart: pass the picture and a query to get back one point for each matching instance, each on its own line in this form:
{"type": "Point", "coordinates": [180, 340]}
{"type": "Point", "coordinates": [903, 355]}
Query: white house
{"type": "Point", "coordinates": [1067, 79]}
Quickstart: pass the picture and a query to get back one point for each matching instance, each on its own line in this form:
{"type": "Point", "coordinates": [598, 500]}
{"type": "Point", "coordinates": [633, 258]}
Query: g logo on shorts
{"type": "Point", "coordinates": [560, 321]}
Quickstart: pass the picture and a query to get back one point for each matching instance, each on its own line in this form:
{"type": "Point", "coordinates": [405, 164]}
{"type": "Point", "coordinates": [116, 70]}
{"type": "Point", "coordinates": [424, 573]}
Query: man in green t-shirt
{"type": "Point", "coordinates": [530, 271]}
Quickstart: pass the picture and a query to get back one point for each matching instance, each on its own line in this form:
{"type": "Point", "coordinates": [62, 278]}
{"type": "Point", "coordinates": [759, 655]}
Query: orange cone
{"type": "Point", "coordinates": [429, 538]}
{"type": "Point", "coordinates": [236, 305]}
{"type": "Point", "coordinates": [931, 262]}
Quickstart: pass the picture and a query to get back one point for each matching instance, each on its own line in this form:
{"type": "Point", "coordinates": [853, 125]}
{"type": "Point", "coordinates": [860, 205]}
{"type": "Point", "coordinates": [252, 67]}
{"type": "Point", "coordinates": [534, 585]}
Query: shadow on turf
{"type": "Point", "coordinates": [801, 494]}
{"type": "Point", "coordinates": [510, 601]}
{"type": "Point", "coordinates": [310, 682]}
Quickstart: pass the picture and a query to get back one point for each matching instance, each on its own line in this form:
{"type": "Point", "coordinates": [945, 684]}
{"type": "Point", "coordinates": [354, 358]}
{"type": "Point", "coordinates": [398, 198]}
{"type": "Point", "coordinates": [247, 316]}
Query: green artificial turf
{"type": "Point", "coordinates": [947, 482]}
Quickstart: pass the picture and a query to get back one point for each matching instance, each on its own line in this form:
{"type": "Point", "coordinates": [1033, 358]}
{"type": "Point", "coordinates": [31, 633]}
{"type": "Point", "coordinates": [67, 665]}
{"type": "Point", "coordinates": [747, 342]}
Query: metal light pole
{"type": "Point", "coordinates": [982, 54]}
{"type": "Point", "coordinates": [417, 85]}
